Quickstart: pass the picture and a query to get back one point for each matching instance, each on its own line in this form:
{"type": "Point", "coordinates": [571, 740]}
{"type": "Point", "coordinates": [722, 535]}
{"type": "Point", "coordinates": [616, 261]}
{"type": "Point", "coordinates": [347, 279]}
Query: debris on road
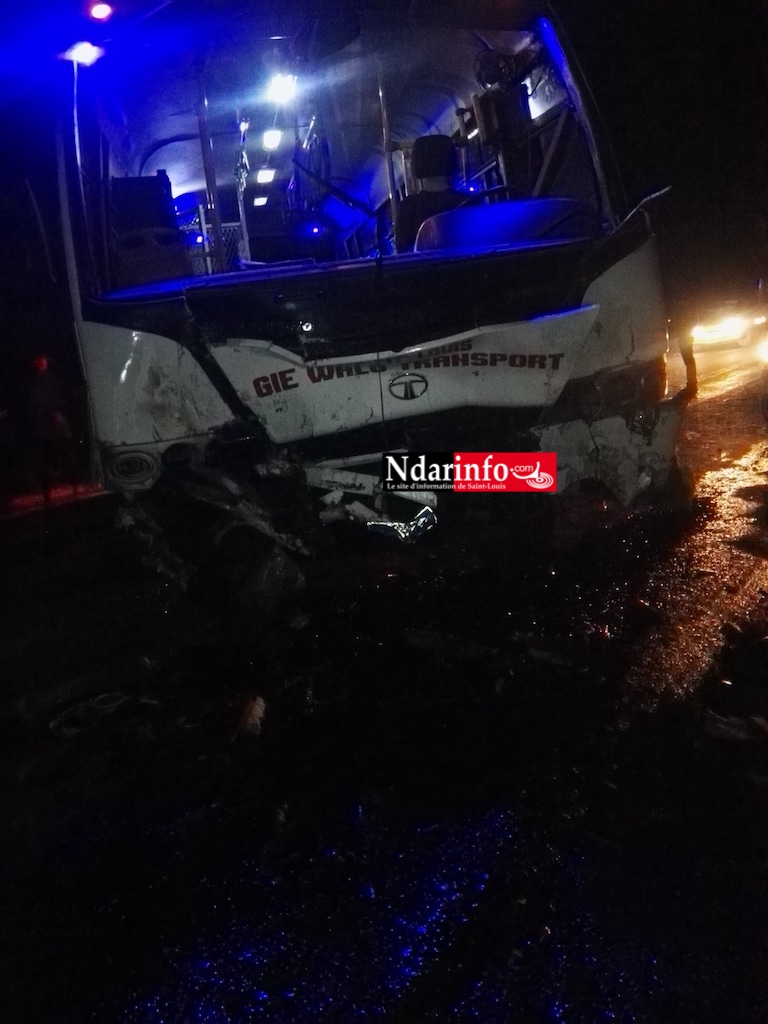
{"type": "Point", "coordinates": [408, 532]}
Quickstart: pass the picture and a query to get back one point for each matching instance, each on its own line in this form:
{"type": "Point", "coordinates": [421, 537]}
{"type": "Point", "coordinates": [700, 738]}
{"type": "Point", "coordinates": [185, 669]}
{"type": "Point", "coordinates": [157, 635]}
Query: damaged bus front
{"type": "Point", "coordinates": [301, 242]}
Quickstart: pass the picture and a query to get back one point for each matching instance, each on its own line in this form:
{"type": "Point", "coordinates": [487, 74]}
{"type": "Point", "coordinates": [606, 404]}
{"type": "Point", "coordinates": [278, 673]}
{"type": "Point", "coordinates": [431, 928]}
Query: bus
{"type": "Point", "coordinates": [298, 237]}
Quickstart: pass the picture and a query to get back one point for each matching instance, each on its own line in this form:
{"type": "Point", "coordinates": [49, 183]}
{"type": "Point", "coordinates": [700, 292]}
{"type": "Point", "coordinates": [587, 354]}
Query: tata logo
{"type": "Point", "coordinates": [408, 386]}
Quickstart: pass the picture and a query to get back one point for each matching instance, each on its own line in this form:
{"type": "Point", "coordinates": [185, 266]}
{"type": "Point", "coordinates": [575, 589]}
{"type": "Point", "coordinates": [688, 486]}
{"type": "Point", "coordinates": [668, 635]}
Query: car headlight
{"type": "Point", "coordinates": [729, 329]}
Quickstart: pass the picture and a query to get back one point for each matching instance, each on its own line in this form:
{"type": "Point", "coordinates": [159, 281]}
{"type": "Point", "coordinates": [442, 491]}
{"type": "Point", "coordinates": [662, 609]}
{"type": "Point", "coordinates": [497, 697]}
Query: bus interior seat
{"type": "Point", "coordinates": [433, 165]}
{"type": "Point", "coordinates": [146, 242]}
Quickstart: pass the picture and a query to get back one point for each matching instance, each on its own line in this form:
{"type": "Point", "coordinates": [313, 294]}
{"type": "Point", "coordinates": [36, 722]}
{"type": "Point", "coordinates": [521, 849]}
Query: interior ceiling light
{"type": "Point", "coordinates": [260, 201]}
{"type": "Point", "coordinates": [281, 89]}
{"type": "Point", "coordinates": [101, 11]}
{"type": "Point", "coordinates": [265, 175]}
{"type": "Point", "coordinates": [83, 53]}
{"type": "Point", "coordinates": [271, 138]}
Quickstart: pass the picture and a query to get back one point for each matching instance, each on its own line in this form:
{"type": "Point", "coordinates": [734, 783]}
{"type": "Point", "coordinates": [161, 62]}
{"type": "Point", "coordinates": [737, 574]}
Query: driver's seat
{"type": "Point", "coordinates": [433, 165]}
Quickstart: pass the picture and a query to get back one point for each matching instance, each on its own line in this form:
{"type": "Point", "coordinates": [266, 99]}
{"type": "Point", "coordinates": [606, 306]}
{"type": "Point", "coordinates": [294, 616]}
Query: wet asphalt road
{"type": "Point", "coordinates": [516, 776]}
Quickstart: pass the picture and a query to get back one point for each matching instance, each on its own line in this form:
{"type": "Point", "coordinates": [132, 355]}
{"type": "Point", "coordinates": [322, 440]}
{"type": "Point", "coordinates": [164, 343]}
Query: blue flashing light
{"type": "Point", "coordinates": [310, 230]}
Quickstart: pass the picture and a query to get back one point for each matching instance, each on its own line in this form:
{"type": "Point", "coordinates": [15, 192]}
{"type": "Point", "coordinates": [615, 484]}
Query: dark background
{"type": "Point", "coordinates": [683, 90]}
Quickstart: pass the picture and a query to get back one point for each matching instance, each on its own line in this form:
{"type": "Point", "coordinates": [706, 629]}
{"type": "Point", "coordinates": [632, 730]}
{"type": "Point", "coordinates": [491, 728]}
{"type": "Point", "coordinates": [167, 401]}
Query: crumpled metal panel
{"type": "Point", "coordinates": [145, 388]}
{"type": "Point", "coordinates": [628, 456]}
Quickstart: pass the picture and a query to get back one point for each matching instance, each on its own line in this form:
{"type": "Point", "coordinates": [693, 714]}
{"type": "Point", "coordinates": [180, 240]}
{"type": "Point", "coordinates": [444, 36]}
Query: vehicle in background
{"type": "Point", "coordinates": [297, 241]}
{"type": "Point", "coordinates": [729, 324]}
